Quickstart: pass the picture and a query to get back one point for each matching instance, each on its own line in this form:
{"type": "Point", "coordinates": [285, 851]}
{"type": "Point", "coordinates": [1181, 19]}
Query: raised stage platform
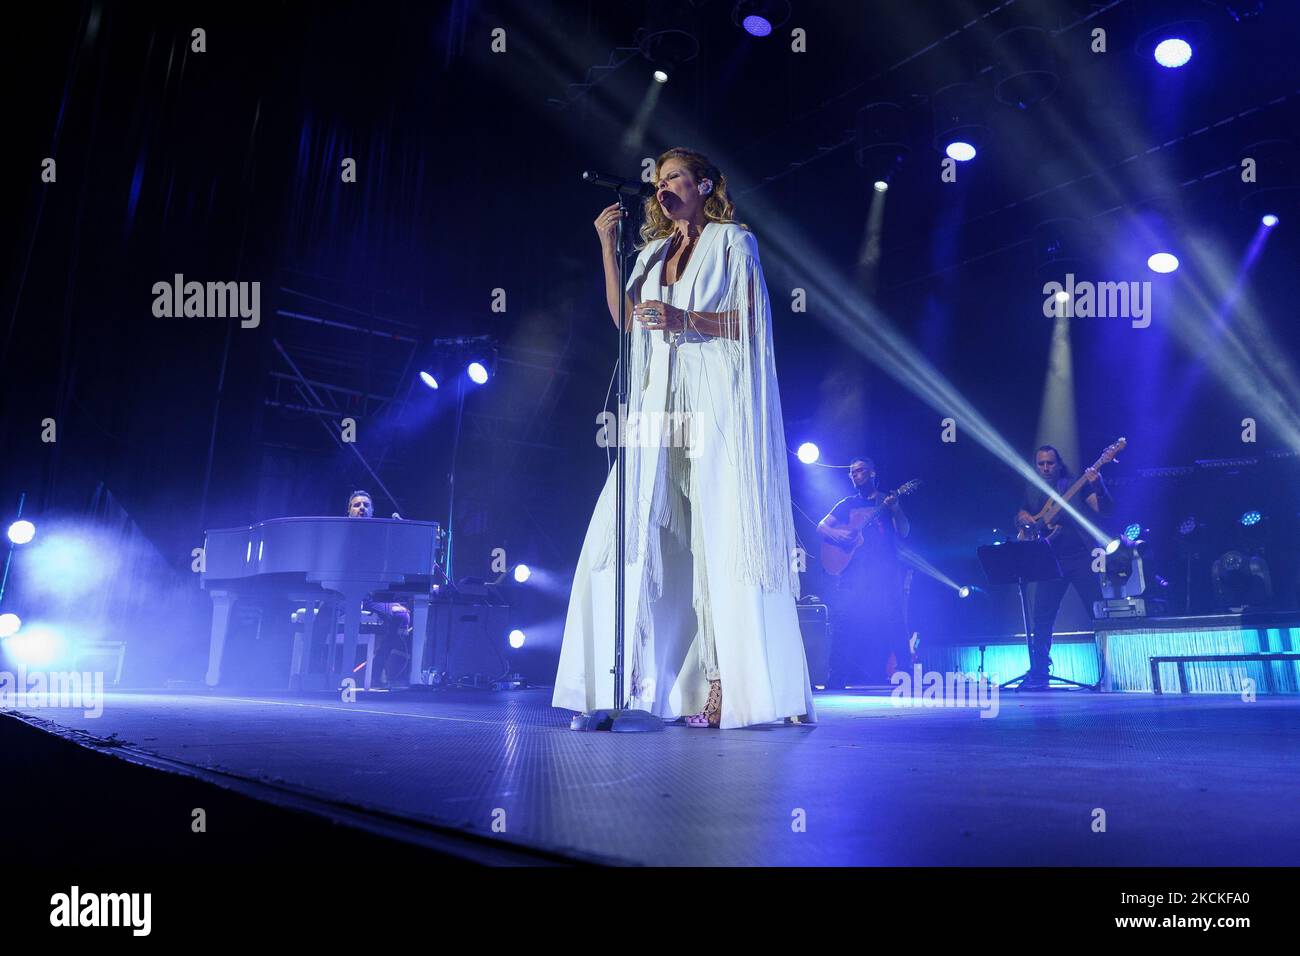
{"type": "Point", "coordinates": [1117, 656]}
{"type": "Point", "coordinates": [1182, 780]}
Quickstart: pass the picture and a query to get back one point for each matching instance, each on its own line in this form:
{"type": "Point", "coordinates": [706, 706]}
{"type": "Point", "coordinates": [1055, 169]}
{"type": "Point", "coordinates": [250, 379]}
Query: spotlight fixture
{"type": "Point", "coordinates": [37, 646]}
{"type": "Point", "coordinates": [1277, 172]}
{"type": "Point", "coordinates": [477, 372]}
{"type": "Point", "coordinates": [961, 151]}
{"type": "Point", "coordinates": [1240, 579]}
{"type": "Point", "coordinates": [1162, 262]}
{"type": "Point", "coordinates": [517, 638]}
{"type": "Point", "coordinates": [884, 141]}
{"type": "Point", "coordinates": [759, 17]}
{"type": "Point", "coordinates": [880, 186]}
{"type": "Point", "coordinates": [808, 453]}
{"type": "Point", "coordinates": [960, 129]}
{"type": "Point", "coordinates": [1026, 74]}
{"type": "Point", "coordinates": [1187, 526]}
{"type": "Point", "coordinates": [428, 379]}
{"type": "Point", "coordinates": [10, 624]}
{"type": "Point", "coordinates": [1172, 52]}
{"type": "Point", "coordinates": [1062, 246]}
{"type": "Point", "coordinates": [1133, 532]}
{"type": "Point", "coordinates": [668, 39]}
{"type": "Point", "coordinates": [1250, 519]}
{"type": "Point", "coordinates": [964, 591]}
{"type": "Point", "coordinates": [1169, 38]}
{"type": "Point", "coordinates": [522, 573]}
{"type": "Point", "coordinates": [1123, 576]}
{"type": "Point", "coordinates": [22, 531]}
{"type": "Point", "coordinates": [1113, 546]}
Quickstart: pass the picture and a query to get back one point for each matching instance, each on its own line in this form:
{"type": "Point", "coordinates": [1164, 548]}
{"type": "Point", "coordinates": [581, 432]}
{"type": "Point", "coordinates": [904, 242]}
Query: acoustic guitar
{"type": "Point", "coordinates": [1045, 525]}
{"type": "Point", "coordinates": [836, 556]}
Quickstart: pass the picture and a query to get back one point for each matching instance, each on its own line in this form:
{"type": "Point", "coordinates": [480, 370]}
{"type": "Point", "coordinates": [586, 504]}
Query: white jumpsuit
{"type": "Point", "coordinates": [694, 610]}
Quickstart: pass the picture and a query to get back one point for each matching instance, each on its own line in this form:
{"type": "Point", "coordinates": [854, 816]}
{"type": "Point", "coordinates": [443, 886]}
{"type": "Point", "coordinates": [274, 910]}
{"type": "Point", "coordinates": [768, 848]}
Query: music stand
{"type": "Point", "coordinates": [1018, 563]}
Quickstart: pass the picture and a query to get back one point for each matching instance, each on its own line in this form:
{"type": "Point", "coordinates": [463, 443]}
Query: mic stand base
{"type": "Point", "coordinates": [617, 721]}
{"type": "Point", "coordinates": [1015, 683]}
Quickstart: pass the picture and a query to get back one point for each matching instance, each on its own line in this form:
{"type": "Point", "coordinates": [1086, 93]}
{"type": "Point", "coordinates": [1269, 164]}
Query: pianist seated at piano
{"type": "Point", "coordinates": [324, 565]}
{"type": "Point", "coordinates": [391, 653]}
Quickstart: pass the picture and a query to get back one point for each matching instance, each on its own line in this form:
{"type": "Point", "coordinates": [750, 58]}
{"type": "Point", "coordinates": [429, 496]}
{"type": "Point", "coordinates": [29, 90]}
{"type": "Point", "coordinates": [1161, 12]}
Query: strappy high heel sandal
{"type": "Point", "coordinates": [711, 715]}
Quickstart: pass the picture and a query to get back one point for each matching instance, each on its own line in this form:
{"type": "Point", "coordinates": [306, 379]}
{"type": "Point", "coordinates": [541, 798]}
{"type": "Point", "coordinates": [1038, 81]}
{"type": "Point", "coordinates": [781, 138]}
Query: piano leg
{"type": "Point", "coordinates": [321, 633]}
{"type": "Point", "coordinates": [301, 641]}
{"type": "Point", "coordinates": [370, 661]}
{"type": "Point", "coordinates": [222, 601]}
{"type": "Point", "coordinates": [419, 626]}
{"type": "Point", "coordinates": [351, 631]}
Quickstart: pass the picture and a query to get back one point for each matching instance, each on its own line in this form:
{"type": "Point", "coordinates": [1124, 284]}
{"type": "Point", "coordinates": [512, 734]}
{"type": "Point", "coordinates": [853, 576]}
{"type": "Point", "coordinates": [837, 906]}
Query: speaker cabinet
{"type": "Point", "coordinates": [467, 642]}
{"type": "Point", "coordinates": [816, 641]}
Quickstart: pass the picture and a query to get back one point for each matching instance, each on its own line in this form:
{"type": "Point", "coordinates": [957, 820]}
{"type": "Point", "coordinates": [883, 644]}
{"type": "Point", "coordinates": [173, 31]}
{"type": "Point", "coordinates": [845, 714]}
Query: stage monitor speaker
{"type": "Point", "coordinates": [468, 642]}
{"type": "Point", "coordinates": [816, 642]}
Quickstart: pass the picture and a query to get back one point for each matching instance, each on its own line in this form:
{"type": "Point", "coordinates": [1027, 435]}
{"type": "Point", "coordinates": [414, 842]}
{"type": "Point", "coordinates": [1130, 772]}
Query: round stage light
{"type": "Point", "coordinates": [1113, 546]}
{"type": "Point", "coordinates": [808, 453]}
{"type": "Point", "coordinates": [517, 638]}
{"type": "Point", "coordinates": [1187, 526]}
{"type": "Point", "coordinates": [1251, 518]}
{"type": "Point", "coordinates": [1162, 262]}
{"type": "Point", "coordinates": [522, 573]}
{"type": "Point", "coordinates": [10, 624]}
{"type": "Point", "coordinates": [660, 76]}
{"type": "Point", "coordinates": [962, 152]}
{"type": "Point", "coordinates": [37, 646]}
{"type": "Point", "coordinates": [22, 531]}
{"type": "Point", "coordinates": [757, 26]}
{"type": "Point", "coordinates": [964, 591]}
{"type": "Point", "coordinates": [1269, 220]}
{"type": "Point", "coordinates": [880, 186]}
{"type": "Point", "coordinates": [1173, 52]}
{"type": "Point", "coordinates": [1133, 531]}
{"type": "Point", "coordinates": [477, 373]}
{"type": "Point", "coordinates": [428, 379]}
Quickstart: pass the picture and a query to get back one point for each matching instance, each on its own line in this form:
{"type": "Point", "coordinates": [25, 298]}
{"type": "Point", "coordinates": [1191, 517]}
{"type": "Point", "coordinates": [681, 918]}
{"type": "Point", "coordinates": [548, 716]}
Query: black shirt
{"type": "Point", "coordinates": [878, 554]}
{"type": "Point", "coordinates": [1072, 539]}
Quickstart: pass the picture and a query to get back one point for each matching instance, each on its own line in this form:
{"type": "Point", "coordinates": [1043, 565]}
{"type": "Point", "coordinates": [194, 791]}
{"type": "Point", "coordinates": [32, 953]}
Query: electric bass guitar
{"type": "Point", "coordinates": [1046, 524]}
{"type": "Point", "coordinates": [836, 556]}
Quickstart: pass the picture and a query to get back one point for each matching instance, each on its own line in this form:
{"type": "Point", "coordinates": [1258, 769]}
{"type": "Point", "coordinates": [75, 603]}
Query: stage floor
{"type": "Point", "coordinates": [1182, 780]}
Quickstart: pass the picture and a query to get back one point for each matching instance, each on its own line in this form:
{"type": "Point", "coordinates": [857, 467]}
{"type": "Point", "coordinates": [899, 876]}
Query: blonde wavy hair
{"type": "Point", "coordinates": [718, 206]}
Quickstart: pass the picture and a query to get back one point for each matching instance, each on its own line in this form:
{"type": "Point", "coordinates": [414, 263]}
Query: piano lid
{"type": "Point", "coordinates": [370, 549]}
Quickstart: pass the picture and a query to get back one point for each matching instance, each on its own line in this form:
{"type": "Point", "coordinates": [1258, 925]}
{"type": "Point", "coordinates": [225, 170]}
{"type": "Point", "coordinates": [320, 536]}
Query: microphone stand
{"type": "Point", "coordinates": [618, 718]}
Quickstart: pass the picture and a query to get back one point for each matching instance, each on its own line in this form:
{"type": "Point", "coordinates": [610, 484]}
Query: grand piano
{"type": "Point", "coordinates": [314, 558]}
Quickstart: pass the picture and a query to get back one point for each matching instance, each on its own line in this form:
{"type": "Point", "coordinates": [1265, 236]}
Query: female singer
{"type": "Point", "coordinates": [711, 627]}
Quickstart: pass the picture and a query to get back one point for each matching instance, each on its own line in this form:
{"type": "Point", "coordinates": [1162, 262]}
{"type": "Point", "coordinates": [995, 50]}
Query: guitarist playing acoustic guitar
{"type": "Point", "coordinates": [870, 636]}
{"type": "Point", "coordinates": [1073, 548]}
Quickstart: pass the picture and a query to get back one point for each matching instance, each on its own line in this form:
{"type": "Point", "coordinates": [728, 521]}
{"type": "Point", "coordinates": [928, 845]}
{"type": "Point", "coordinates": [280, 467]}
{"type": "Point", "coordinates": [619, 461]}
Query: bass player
{"type": "Point", "coordinates": [1073, 552]}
